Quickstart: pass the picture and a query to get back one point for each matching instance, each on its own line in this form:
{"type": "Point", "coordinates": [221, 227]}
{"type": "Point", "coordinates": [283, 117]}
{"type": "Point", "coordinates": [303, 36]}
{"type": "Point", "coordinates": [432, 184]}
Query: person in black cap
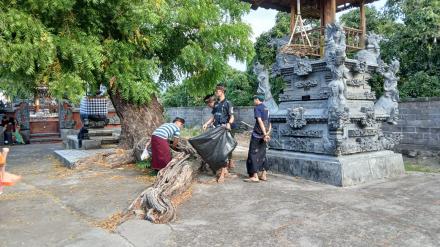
{"type": "Point", "coordinates": [222, 115]}
{"type": "Point", "coordinates": [256, 163]}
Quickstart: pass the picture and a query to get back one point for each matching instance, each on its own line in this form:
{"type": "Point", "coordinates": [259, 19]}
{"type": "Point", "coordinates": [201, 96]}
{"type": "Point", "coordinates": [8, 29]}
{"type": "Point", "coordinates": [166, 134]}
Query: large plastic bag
{"type": "Point", "coordinates": [214, 146]}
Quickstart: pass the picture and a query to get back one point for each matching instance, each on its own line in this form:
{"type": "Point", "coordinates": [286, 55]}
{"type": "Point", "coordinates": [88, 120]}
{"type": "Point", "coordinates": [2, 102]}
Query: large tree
{"type": "Point", "coordinates": [140, 45]}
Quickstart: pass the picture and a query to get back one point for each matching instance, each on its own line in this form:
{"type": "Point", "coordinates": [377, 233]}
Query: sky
{"type": "Point", "coordinates": [262, 20]}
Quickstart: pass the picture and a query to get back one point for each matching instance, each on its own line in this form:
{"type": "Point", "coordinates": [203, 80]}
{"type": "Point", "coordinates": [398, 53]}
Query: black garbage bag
{"type": "Point", "coordinates": [214, 146]}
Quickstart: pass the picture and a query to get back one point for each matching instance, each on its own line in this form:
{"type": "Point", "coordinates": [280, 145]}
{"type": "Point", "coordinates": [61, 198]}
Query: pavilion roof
{"type": "Point", "coordinates": [309, 8]}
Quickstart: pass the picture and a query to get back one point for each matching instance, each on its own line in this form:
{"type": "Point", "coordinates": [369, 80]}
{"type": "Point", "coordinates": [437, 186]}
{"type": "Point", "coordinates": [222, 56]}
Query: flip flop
{"type": "Point", "coordinates": [250, 180]}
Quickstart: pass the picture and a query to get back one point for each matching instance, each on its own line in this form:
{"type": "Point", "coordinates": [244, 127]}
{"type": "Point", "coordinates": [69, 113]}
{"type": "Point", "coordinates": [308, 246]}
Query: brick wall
{"type": "Point", "coordinates": [196, 116]}
{"type": "Point", "coordinates": [419, 124]}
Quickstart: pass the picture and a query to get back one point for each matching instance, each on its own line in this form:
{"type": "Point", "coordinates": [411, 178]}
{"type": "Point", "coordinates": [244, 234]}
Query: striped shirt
{"type": "Point", "coordinates": [167, 131]}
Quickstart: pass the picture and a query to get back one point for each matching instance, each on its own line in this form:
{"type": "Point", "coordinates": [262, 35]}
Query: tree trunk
{"type": "Point", "coordinates": [137, 121]}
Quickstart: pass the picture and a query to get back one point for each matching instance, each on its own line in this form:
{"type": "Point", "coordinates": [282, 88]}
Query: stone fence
{"type": "Point", "coordinates": [419, 124]}
{"type": "Point", "coordinates": [196, 116]}
{"type": "Point", "coordinates": [419, 121]}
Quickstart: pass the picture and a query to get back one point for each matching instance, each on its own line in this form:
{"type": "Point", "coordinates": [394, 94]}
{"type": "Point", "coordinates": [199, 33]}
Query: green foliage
{"type": "Point", "coordinates": [68, 45]}
{"type": "Point", "coordinates": [179, 95]}
{"type": "Point", "coordinates": [240, 87]}
{"type": "Point", "coordinates": [265, 53]}
{"type": "Point", "coordinates": [144, 164]}
{"type": "Point", "coordinates": [375, 20]}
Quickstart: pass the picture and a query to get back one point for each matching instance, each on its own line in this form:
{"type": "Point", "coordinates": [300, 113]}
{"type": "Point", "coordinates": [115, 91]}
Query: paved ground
{"type": "Point", "coordinates": [58, 207]}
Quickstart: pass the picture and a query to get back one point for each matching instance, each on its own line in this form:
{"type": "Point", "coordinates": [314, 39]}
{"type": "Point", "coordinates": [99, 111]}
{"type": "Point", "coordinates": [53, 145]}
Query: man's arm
{"type": "Point", "coordinates": [261, 124]}
{"type": "Point", "coordinates": [231, 118]}
{"type": "Point", "coordinates": [210, 120]}
{"type": "Point", "coordinates": [230, 122]}
{"type": "Point", "coordinates": [175, 142]}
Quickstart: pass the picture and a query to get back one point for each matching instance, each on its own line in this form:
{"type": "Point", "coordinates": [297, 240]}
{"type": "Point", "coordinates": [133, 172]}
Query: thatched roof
{"type": "Point", "coordinates": [309, 8]}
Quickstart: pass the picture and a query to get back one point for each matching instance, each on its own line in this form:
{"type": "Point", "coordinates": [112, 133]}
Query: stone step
{"type": "Point", "coordinates": [72, 142]}
{"type": "Point", "coordinates": [101, 132]}
{"type": "Point", "coordinates": [38, 135]}
{"type": "Point", "coordinates": [106, 139]}
{"type": "Point", "coordinates": [45, 139]}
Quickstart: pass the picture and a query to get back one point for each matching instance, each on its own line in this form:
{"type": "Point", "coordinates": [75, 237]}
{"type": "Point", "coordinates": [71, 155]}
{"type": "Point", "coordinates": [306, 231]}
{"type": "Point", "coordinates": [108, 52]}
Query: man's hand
{"type": "Point", "coordinates": [266, 138]}
{"type": "Point", "coordinates": [228, 126]}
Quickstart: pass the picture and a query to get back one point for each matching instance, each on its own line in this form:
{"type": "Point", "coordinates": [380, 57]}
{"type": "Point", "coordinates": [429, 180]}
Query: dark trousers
{"type": "Point", "coordinates": [256, 160]}
{"type": "Point", "coordinates": [83, 132]}
{"type": "Point", "coordinates": [8, 137]}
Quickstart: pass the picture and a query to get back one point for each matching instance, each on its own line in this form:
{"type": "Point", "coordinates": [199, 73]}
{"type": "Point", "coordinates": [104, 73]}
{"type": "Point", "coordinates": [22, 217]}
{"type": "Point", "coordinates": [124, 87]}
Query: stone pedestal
{"type": "Point", "coordinates": [73, 143]}
{"type": "Point", "coordinates": [344, 170]}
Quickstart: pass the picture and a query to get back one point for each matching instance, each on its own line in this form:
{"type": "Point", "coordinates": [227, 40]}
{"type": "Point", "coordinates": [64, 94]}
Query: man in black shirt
{"type": "Point", "coordinates": [222, 115]}
{"type": "Point", "coordinates": [256, 162]}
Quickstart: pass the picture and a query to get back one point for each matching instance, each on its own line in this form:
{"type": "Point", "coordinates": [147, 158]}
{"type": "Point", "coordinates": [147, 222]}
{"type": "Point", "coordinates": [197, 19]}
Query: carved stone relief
{"type": "Point", "coordinates": [295, 118]}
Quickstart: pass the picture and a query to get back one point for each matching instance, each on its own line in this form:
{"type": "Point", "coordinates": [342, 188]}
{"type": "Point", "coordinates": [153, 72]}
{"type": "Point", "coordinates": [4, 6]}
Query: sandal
{"type": "Point", "coordinates": [252, 180]}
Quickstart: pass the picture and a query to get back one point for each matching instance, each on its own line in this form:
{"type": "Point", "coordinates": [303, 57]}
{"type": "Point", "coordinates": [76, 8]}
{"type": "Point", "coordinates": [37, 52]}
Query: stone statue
{"type": "Point", "coordinates": [23, 115]}
{"type": "Point", "coordinates": [371, 55]}
{"type": "Point", "coordinates": [264, 87]}
{"type": "Point", "coordinates": [334, 40]}
{"type": "Point", "coordinates": [335, 58]}
{"type": "Point", "coordinates": [388, 103]}
{"type": "Point", "coordinates": [65, 115]}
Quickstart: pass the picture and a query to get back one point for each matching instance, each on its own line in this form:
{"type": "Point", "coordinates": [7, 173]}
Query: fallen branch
{"type": "Point", "coordinates": [156, 202]}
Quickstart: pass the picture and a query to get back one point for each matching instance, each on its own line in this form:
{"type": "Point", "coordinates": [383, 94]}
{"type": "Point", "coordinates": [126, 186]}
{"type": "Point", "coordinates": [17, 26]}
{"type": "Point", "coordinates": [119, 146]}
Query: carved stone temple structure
{"type": "Point", "coordinates": [327, 127]}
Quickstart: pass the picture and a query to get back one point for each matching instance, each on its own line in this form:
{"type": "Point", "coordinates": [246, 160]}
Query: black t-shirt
{"type": "Point", "coordinates": [222, 111]}
{"type": "Point", "coordinates": [260, 111]}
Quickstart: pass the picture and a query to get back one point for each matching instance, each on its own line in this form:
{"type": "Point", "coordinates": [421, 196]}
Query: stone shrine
{"type": "Point", "coordinates": [327, 127]}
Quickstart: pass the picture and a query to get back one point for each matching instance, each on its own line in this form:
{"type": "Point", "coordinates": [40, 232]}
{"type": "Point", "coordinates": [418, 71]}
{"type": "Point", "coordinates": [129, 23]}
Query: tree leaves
{"type": "Point", "coordinates": [70, 45]}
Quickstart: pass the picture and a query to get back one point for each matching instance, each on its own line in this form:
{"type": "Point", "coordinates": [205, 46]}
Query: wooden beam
{"type": "Point", "coordinates": [363, 24]}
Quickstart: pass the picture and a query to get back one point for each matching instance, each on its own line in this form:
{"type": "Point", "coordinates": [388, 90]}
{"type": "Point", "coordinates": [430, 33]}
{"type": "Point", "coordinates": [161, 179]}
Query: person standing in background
{"type": "Point", "coordinates": [256, 162]}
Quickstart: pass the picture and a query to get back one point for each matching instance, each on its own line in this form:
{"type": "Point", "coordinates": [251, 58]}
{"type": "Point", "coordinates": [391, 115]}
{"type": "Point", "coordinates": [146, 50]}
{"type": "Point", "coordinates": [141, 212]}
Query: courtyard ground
{"type": "Point", "coordinates": [55, 206]}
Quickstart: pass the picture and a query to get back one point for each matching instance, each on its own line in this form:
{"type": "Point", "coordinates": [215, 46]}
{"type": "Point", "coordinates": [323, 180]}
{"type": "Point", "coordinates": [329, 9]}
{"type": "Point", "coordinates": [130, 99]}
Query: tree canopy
{"type": "Point", "coordinates": [69, 45]}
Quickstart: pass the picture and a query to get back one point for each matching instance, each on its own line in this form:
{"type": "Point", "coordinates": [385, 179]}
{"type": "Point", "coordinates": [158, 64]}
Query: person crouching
{"type": "Point", "coordinates": [256, 162]}
{"type": "Point", "coordinates": [160, 148]}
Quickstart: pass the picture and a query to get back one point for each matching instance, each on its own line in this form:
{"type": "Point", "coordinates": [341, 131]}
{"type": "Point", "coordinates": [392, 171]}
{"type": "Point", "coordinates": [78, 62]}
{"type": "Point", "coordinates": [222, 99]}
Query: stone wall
{"type": "Point", "coordinates": [196, 116]}
{"type": "Point", "coordinates": [419, 121]}
{"type": "Point", "coordinates": [419, 124]}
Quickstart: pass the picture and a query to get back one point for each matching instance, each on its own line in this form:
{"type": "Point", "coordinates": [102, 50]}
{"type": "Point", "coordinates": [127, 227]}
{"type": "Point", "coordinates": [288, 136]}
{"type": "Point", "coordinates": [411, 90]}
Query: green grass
{"type": "Point", "coordinates": [144, 164]}
{"type": "Point", "coordinates": [190, 132]}
{"type": "Point", "coordinates": [411, 167]}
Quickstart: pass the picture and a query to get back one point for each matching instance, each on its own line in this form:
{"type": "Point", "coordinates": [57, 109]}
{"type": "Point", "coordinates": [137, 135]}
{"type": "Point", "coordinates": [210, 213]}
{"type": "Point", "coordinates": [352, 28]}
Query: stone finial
{"type": "Point", "coordinates": [264, 87]}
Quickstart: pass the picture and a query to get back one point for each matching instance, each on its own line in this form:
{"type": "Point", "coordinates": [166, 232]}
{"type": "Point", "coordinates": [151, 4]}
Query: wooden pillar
{"type": "Point", "coordinates": [329, 11]}
{"type": "Point", "coordinates": [363, 24]}
{"type": "Point", "coordinates": [292, 15]}
{"type": "Point", "coordinates": [328, 15]}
